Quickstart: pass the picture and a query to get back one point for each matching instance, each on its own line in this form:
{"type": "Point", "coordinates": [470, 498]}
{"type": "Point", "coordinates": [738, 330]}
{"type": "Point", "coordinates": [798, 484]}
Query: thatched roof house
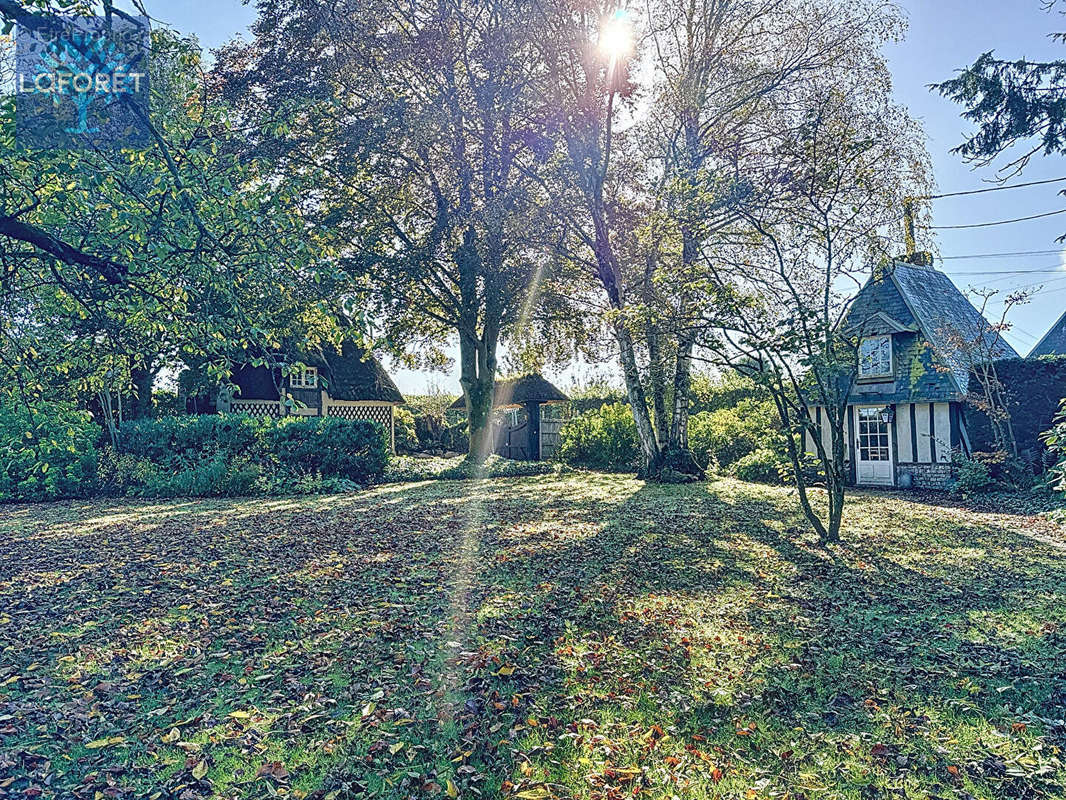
{"type": "Point", "coordinates": [348, 383]}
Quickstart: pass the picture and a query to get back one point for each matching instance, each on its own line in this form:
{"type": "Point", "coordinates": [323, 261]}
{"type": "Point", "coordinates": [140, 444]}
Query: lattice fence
{"type": "Point", "coordinates": [264, 409]}
{"type": "Point", "coordinates": [379, 414]}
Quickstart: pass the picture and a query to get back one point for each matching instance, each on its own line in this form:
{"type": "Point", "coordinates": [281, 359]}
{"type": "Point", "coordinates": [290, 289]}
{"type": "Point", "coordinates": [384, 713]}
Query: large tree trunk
{"type": "Point", "coordinates": [638, 403]}
{"type": "Point", "coordinates": [678, 456]}
{"type": "Point", "coordinates": [477, 350]}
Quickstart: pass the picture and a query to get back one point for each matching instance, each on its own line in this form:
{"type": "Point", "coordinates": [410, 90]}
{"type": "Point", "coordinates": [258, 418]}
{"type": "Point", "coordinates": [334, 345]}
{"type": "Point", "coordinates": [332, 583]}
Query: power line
{"type": "Point", "coordinates": [1002, 255]}
{"type": "Point", "coordinates": [993, 224]}
{"type": "Point", "coordinates": [991, 189]}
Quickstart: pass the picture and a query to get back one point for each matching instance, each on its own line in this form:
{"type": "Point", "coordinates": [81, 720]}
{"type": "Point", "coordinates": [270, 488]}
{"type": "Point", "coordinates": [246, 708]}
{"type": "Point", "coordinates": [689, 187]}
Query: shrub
{"type": "Point", "coordinates": [723, 391]}
{"type": "Point", "coordinates": [234, 454]}
{"type": "Point", "coordinates": [1055, 439]}
{"type": "Point", "coordinates": [726, 435]}
{"type": "Point", "coordinates": [972, 477]}
{"type": "Point", "coordinates": [404, 428]}
{"type": "Point", "coordinates": [604, 438]}
{"type": "Point", "coordinates": [353, 449]}
{"type": "Point", "coordinates": [1006, 471]}
{"type": "Point", "coordinates": [47, 453]}
{"type": "Point", "coordinates": [762, 466]}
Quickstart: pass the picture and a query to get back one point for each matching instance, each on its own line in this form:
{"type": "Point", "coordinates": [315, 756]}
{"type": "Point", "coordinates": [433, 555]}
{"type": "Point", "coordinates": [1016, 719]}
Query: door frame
{"type": "Point", "coordinates": [889, 425]}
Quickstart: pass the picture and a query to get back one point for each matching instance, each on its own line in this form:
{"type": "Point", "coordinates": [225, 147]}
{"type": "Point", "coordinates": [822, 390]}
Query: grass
{"type": "Point", "coordinates": [574, 635]}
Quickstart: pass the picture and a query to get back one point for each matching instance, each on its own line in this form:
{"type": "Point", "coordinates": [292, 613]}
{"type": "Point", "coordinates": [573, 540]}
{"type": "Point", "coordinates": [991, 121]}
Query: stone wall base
{"type": "Point", "coordinates": [927, 476]}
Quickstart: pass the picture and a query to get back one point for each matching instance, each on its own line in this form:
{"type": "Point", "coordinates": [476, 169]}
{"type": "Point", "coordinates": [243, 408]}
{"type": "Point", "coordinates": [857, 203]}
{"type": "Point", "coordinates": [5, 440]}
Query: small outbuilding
{"type": "Point", "coordinates": [522, 431]}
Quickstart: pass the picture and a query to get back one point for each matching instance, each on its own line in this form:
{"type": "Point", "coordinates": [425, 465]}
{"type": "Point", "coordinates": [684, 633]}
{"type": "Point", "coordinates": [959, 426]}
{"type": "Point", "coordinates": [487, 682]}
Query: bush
{"type": "Point", "coordinates": [604, 438]}
{"type": "Point", "coordinates": [762, 466]}
{"type": "Point", "coordinates": [1006, 471]}
{"type": "Point", "coordinates": [973, 477]}
{"type": "Point", "coordinates": [354, 449]}
{"type": "Point", "coordinates": [234, 454]}
{"type": "Point", "coordinates": [47, 453]}
{"type": "Point", "coordinates": [724, 391]}
{"type": "Point", "coordinates": [406, 469]}
{"type": "Point", "coordinates": [725, 436]}
{"type": "Point", "coordinates": [1055, 439]}
{"type": "Point", "coordinates": [404, 427]}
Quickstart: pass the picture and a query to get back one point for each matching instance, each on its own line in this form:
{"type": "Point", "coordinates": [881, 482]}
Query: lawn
{"type": "Point", "coordinates": [553, 636]}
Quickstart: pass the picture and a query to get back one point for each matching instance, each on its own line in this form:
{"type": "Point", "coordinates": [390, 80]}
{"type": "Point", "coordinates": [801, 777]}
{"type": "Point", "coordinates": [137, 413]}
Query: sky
{"type": "Point", "coordinates": [943, 36]}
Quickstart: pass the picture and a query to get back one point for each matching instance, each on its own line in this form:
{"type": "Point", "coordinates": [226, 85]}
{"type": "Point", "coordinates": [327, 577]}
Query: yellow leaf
{"type": "Point", "coordinates": [453, 791]}
{"type": "Point", "coordinates": [173, 736]}
{"type": "Point", "coordinates": [396, 748]}
{"type": "Point", "coordinates": [239, 714]}
{"type": "Point", "coordinates": [108, 742]}
{"type": "Point", "coordinates": [199, 770]}
{"type": "Point", "coordinates": [506, 670]}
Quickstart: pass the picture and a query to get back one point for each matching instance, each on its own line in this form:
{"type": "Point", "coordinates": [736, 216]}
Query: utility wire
{"type": "Point", "coordinates": [1002, 255]}
{"type": "Point", "coordinates": [993, 224]}
{"type": "Point", "coordinates": [990, 189]}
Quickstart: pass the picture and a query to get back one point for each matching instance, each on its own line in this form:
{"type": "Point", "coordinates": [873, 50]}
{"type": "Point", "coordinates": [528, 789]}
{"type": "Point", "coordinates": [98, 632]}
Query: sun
{"type": "Point", "coordinates": [616, 36]}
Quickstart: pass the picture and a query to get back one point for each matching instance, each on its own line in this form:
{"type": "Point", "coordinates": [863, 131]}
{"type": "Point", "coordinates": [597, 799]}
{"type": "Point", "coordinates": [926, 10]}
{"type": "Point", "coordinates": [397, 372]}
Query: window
{"type": "Point", "coordinates": [875, 357]}
{"type": "Point", "coordinates": [307, 378]}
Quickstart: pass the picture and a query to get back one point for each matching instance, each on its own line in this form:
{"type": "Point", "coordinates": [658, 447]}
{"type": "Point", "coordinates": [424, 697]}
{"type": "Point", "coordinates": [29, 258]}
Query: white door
{"type": "Point", "coordinates": [873, 447]}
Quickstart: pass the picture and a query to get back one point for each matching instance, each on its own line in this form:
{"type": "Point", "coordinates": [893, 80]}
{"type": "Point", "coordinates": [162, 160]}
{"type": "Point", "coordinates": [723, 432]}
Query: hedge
{"type": "Point", "coordinates": [227, 454]}
{"type": "Point", "coordinates": [1034, 387]}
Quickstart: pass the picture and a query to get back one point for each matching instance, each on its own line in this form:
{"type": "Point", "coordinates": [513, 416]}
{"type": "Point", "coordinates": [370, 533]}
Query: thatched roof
{"type": "Point", "coordinates": [521, 390]}
{"type": "Point", "coordinates": [353, 374]}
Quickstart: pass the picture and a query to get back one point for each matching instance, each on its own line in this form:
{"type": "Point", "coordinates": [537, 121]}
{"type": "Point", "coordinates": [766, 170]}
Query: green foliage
{"type": "Point", "coordinates": [593, 394]}
{"type": "Point", "coordinates": [1011, 102]}
{"type": "Point", "coordinates": [233, 454]}
{"type": "Point", "coordinates": [404, 427]}
{"type": "Point", "coordinates": [354, 449]}
{"type": "Point", "coordinates": [46, 453]}
{"type": "Point", "coordinates": [762, 466]}
{"type": "Point", "coordinates": [973, 477]}
{"type": "Point", "coordinates": [1056, 443]}
{"type": "Point", "coordinates": [724, 436]}
{"type": "Point", "coordinates": [604, 438]}
{"type": "Point", "coordinates": [728, 390]}
{"type": "Point", "coordinates": [1033, 387]}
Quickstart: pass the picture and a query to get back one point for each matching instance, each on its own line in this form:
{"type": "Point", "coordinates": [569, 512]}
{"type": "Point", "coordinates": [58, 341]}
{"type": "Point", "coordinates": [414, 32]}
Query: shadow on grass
{"type": "Point", "coordinates": [560, 636]}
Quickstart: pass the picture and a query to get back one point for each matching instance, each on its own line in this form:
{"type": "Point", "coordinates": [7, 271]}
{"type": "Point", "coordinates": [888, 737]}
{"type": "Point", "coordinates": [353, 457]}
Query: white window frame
{"type": "Point", "coordinates": [306, 378]}
{"type": "Point", "coordinates": [891, 358]}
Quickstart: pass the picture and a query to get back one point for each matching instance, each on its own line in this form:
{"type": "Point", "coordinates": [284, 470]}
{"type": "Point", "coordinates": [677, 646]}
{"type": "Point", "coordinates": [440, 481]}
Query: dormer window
{"type": "Point", "coordinates": [875, 357]}
{"type": "Point", "coordinates": [306, 378]}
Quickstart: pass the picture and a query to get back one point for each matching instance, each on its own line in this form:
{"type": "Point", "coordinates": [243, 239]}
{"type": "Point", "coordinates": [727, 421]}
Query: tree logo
{"type": "Point", "coordinates": [84, 85]}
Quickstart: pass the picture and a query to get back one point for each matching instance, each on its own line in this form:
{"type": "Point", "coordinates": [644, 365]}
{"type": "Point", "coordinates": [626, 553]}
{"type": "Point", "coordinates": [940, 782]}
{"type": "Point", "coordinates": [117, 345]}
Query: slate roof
{"type": "Point", "coordinates": [519, 391]}
{"type": "Point", "coordinates": [928, 364]}
{"type": "Point", "coordinates": [1054, 341]}
{"type": "Point", "coordinates": [942, 312]}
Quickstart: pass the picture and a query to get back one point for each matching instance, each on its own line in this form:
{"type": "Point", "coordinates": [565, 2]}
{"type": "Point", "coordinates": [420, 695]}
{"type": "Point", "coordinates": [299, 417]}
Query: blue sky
{"type": "Point", "coordinates": [943, 36]}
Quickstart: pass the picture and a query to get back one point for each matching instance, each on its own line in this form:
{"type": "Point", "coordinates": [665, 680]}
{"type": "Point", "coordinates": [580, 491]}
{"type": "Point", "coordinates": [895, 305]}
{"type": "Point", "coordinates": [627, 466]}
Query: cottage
{"type": "Point", "coordinates": [904, 415]}
{"type": "Point", "coordinates": [521, 431]}
{"type": "Point", "coordinates": [1054, 341]}
{"type": "Point", "coordinates": [349, 383]}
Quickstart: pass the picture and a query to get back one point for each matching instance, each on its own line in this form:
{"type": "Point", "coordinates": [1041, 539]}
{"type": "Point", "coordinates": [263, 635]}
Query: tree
{"type": "Point", "coordinates": [422, 117]}
{"type": "Point", "coordinates": [113, 260]}
{"type": "Point", "coordinates": [653, 194]}
{"type": "Point", "coordinates": [1013, 103]}
{"type": "Point", "coordinates": [833, 187]}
